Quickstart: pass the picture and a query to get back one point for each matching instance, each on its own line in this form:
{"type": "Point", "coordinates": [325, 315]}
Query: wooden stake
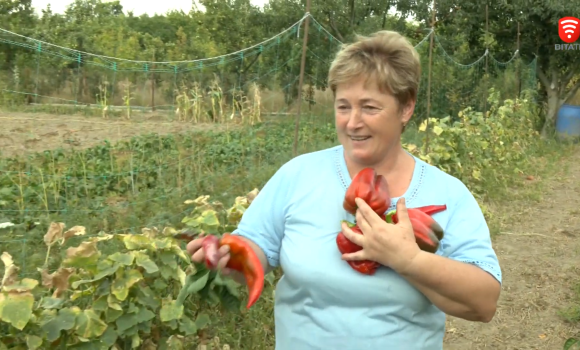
{"type": "Point", "coordinates": [301, 80]}
{"type": "Point", "coordinates": [431, 40]}
{"type": "Point", "coordinates": [486, 62]}
{"type": "Point", "coordinates": [153, 84]}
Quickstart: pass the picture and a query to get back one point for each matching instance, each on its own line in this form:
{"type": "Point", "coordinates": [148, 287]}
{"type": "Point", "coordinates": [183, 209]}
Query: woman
{"type": "Point", "coordinates": [321, 302]}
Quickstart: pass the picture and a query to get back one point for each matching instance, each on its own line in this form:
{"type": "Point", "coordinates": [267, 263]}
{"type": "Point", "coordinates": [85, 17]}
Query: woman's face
{"type": "Point", "coordinates": [368, 122]}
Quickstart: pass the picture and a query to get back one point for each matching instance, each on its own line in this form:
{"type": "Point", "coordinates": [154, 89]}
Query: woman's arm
{"type": "Point", "coordinates": [263, 223]}
{"type": "Point", "coordinates": [459, 289]}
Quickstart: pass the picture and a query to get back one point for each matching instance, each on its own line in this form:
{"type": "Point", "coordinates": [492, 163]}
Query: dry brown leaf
{"type": "Point", "coordinates": [57, 280]}
{"type": "Point", "coordinates": [10, 270]}
{"type": "Point", "coordinates": [84, 250]}
{"type": "Point", "coordinates": [252, 195]}
{"type": "Point", "coordinates": [54, 233]}
{"type": "Point", "coordinates": [150, 232]}
{"type": "Point", "coordinates": [73, 231]}
{"type": "Point", "coordinates": [149, 345]}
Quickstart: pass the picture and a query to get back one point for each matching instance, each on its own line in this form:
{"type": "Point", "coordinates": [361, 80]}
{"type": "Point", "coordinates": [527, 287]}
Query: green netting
{"type": "Point", "coordinates": [144, 180]}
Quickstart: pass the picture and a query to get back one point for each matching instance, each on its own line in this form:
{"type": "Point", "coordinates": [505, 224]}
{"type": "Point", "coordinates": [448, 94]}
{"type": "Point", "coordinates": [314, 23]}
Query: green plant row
{"type": "Point", "coordinates": [136, 179]}
{"type": "Point", "coordinates": [146, 294]}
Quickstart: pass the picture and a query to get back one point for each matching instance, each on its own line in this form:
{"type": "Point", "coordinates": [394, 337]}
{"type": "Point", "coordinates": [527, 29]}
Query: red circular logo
{"type": "Point", "coordinates": [569, 29]}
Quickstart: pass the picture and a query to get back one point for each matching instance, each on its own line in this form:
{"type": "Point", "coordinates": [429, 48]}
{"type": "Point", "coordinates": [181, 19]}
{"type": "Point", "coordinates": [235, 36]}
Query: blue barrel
{"type": "Point", "coordinates": [568, 121]}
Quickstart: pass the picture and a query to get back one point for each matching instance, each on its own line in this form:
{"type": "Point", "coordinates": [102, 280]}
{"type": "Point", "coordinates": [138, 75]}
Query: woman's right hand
{"type": "Point", "coordinates": [194, 248]}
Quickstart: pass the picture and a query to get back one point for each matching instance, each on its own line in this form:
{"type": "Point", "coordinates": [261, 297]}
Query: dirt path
{"type": "Point", "coordinates": [22, 133]}
{"type": "Point", "coordinates": [540, 258]}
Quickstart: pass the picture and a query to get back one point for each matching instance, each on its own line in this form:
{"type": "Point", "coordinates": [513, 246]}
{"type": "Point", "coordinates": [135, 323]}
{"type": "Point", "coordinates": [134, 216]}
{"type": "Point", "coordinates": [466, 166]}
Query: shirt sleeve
{"type": "Point", "coordinates": [467, 236]}
{"type": "Point", "coordinates": [264, 221]}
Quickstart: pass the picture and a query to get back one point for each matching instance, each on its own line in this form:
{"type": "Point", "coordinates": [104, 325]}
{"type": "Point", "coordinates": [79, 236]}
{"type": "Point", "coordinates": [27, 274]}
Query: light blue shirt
{"type": "Point", "coordinates": [321, 302]}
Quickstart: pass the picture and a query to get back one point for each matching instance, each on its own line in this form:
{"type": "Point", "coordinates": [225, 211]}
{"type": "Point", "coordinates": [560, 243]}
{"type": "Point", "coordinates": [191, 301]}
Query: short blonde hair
{"type": "Point", "coordinates": [386, 57]}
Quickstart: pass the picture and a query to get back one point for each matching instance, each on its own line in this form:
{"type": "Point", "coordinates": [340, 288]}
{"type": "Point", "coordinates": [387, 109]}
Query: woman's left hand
{"type": "Point", "coordinates": [392, 245]}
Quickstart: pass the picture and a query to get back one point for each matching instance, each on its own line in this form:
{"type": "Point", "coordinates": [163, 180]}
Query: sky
{"type": "Point", "coordinates": [138, 6]}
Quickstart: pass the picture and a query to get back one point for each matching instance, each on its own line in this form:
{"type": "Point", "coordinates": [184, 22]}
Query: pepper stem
{"type": "Point", "coordinates": [389, 216]}
{"type": "Point", "coordinates": [350, 224]}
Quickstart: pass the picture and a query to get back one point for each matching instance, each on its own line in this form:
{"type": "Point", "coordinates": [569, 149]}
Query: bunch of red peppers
{"type": "Point", "coordinates": [373, 189]}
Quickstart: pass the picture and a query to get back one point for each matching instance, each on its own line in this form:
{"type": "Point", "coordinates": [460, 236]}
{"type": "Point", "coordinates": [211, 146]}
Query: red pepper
{"type": "Point", "coordinates": [242, 259]}
{"type": "Point", "coordinates": [365, 267]}
{"type": "Point", "coordinates": [424, 236]}
{"type": "Point", "coordinates": [370, 187]}
{"type": "Point", "coordinates": [428, 233]}
{"type": "Point", "coordinates": [346, 246]}
{"type": "Point", "coordinates": [427, 209]}
{"type": "Point", "coordinates": [432, 209]}
{"type": "Point", "coordinates": [210, 246]}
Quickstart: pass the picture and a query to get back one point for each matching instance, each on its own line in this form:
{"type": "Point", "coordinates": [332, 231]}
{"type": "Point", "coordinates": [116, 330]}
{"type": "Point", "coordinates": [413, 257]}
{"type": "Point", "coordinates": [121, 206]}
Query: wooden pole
{"type": "Point", "coordinates": [486, 62]}
{"type": "Point", "coordinates": [301, 80]}
{"type": "Point", "coordinates": [153, 84]}
{"type": "Point", "coordinates": [431, 40]}
{"type": "Point", "coordinates": [518, 62]}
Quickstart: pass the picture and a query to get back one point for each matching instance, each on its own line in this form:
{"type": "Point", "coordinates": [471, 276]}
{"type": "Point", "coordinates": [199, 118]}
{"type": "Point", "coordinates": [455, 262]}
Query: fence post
{"type": "Point", "coordinates": [301, 80]}
{"type": "Point", "coordinates": [153, 83]}
{"type": "Point", "coordinates": [518, 64]}
{"type": "Point", "coordinates": [486, 77]}
{"type": "Point", "coordinates": [431, 40]}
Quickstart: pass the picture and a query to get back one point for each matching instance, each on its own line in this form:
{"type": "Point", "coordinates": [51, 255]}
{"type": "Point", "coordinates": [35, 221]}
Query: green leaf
{"type": "Point", "coordinates": [167, 272]}
{"type": "Point", "coordinates": [192, 284]}
{"type": "Point", "coordinates": [135, 341]}
{"type": "Point", "coordinates": [206, 221]}
{"type": "Point", "coordinates": [138, 242]}
{"type": "Point", "coordinates": [111, 315]}
{"type": "Point", "coordinates": [33, 342]}
{"type": "Point", "coordinates": [202, 320]}
{"type": "Point", "coordinates": [437, 130]}
{"type": "Point", "coordinates": [145, 262]}
{"type": "Point", "coordinates": [144, 315]}
{"type": "Point", "coordinates": [122, 258]}
{"type": "Point", "coordinates": [89, 325]}
{"type": "Point", "coordinates": [16, 308]}
{"type": "Point", "coordinates": [101, 304]}
{"type": "Point", "coordinates": [170, 311]}
{"type": "Point", "coordinates": [160, 284]}
{"type": "Point", "coordinates": [229, 284]}
{"type": "Point", "coordinates": [113, 302]}
{"type": "Point", "coordinates": [120, 287]}
{"type": "Point", "coordinates": [198, 283]}
{"type": "Point", "coordinates": [107, 271]}
{"type": "Point", "coordinates": [146, 297]}
{"type": "Point", "coordinates": [187, 326]}
{"type": "Point", "coordinates": [228, 301]}
{"type": "Point", "coordinates": [570, 343]}
{"type": "Point", "coordinates": [125, 322]}
{"type": "Point", "coordinates": [65, 321]}
{"type": "Point", "coordinates": [168, 259]}
{"type": "Point", "coordinates": [110, 336]}
{"type": "Point", "coordinates": [50, 303]}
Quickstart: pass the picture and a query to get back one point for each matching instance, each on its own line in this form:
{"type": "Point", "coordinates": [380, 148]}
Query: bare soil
{"type": "Point", "coordinates": [540, 260]}
{"type": "Point", "coordinates": [22, 133]}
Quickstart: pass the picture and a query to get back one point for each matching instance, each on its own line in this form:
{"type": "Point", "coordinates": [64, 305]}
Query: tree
{"type": "Point", "coordinates": [557, 70]}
